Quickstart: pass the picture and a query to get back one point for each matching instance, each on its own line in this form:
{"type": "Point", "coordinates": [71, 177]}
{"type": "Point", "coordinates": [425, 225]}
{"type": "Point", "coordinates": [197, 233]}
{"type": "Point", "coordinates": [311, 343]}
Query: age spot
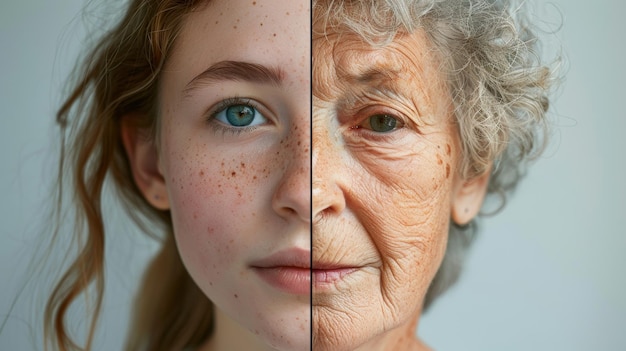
{"type": "Point", "coordinates": [447, 170]}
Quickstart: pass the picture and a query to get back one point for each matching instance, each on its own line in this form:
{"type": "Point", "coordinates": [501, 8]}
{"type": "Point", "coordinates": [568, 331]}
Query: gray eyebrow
{"type": "Point", "coordinates": [236, 71]}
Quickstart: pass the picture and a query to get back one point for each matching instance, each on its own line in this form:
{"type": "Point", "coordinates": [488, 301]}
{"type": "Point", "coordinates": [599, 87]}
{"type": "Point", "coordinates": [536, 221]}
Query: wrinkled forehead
{"type": "Point", "coordinates": [346, 61]}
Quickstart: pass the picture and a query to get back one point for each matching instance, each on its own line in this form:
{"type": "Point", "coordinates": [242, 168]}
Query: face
{"type": "Point", "coordinates": [235, 160]}
{"type": "Point", "coordinates": [385, 154]}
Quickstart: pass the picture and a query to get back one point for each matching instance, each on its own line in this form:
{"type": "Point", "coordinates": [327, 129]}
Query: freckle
{"type": "Point", "coordinates": [448, 149]}
{"type": "Point", "coordinates": [243, 165]}
{"type": "Point", "coordinates": [447, 170]}
{"type": "Point", "coordinates": [236, 296]}
{"type": "Point", "coordinates": [439, 160]}
{"type": "Point", "coordinates": [254, 177]}
{"type": "Point", "coordinates": [254, 3]}
{"type": "Point", "coordinates": [234, 27]}
{"type": "Point", "coordinates": [201, 173]}
{"type": "Point", "coordinates": [233, 174]}
{"type": "Point", "coordinates": [274, 34]}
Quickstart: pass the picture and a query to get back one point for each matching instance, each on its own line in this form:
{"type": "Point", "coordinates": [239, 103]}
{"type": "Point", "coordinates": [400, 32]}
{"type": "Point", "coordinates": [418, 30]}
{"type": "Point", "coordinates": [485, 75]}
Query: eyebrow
{"type": "Point", "coordinates": [371, 75]}
{"type": "Point", "coordinates": [236, 71]}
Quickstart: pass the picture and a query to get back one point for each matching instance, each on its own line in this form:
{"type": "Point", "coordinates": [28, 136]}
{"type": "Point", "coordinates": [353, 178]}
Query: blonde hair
{"type": "Point", "coordinates": [119, 77]}
{"type": "Point", "coordinates": [499, 87]}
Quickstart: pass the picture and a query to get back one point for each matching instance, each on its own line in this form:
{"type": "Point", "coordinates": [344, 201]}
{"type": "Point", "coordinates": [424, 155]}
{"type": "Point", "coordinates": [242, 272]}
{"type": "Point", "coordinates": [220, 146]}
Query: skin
{"type": "Point", "coordinates": [382, 202]}
{"type": "Point", "coordinates": [237, 195]}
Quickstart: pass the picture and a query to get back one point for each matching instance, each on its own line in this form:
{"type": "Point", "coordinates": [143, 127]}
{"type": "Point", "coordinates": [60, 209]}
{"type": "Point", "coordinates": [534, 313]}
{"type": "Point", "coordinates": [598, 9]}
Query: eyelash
{"type": "Point", "coordinates": [219, 127]}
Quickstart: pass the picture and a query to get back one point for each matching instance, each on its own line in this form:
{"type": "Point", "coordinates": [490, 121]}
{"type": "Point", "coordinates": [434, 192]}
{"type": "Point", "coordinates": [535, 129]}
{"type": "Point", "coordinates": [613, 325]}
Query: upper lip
{"type": "Point", "coordinates": [293, 257]}
{"type": "Point", "coordinates": [331, 266]}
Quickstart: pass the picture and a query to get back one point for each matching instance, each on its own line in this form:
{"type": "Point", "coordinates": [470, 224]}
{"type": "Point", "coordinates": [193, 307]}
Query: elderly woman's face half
{"type": "Point", "coordinates": [385, 187]}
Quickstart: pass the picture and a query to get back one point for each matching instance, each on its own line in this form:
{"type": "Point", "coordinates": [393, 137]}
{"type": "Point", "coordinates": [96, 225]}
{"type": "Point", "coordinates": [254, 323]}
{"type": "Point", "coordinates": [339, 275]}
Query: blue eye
{"type": "Point", "coordinates": [240, 115]}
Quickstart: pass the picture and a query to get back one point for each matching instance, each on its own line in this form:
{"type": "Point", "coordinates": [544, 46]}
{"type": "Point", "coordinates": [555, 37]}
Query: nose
{"type": "Point", "coordinates": [292, 198]}
{"type": "Point", "coordinates": [328, 169]}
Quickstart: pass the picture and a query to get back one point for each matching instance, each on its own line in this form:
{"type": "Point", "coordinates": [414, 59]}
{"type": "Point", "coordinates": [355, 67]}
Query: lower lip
{"type": "Point", "coordinates": [324, 277]}
{"type": "Point", "coordinates": [292, 280]}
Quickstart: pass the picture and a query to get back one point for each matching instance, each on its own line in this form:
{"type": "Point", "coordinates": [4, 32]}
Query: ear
{"type": "Point", "coordinates": [468, 196]}
{"type": "Point", "coordinates": [144, 162]}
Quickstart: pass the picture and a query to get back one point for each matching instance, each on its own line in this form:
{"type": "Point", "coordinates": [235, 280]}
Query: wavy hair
{"type": "Point", "coordinates": [120, 77]}
{"type": "Point", "coordinates": [499, 87]}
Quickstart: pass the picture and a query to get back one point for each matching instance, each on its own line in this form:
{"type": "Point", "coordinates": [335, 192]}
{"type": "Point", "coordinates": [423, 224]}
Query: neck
{"type": "Point", "coordinates": [230, 335]}
{"type": "Point", "coordinates": [402, 338]}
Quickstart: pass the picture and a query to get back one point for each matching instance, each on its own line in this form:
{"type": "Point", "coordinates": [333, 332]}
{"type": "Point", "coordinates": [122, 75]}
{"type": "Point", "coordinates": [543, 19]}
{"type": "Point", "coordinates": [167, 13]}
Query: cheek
{"type": "Point", "coordinates": [213, 197]}
{"type": "Point", "coordinates": [406, 210]}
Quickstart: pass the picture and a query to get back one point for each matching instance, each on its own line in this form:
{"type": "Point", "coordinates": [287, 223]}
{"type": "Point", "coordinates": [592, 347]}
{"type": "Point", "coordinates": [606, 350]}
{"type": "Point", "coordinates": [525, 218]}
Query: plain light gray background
{"type": "Point", "coordinates": [548, 273]}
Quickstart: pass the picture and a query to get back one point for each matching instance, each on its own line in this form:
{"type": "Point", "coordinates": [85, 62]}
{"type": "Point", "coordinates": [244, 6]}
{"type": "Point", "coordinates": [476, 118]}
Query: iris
{"type": "Point", "coordinates": [382, 123]}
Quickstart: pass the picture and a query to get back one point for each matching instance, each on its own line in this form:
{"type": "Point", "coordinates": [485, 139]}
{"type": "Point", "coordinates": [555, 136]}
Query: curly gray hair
{"type": "Point", "coordinates": [498, 83]}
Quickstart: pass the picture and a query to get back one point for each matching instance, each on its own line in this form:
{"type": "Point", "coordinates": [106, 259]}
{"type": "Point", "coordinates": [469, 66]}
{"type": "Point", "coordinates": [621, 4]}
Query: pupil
{"type": "Point", "coordinates": [240, 115]}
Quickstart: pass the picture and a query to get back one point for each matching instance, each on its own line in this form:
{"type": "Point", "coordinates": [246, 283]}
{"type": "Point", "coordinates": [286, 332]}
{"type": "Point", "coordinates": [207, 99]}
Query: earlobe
{"type": "Point", "coordinates": [468, 198]}
{"type": "Point", "coordinates": [144, 162]}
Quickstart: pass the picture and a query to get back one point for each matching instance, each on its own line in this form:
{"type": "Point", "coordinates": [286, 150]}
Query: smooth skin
{"type": "Point", "coordinates": [232, 163]}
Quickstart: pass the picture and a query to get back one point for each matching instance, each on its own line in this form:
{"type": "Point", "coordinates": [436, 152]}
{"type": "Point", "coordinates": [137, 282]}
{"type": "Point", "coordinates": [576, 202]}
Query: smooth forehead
{"type": "Point", "coordinates": [271, 33]}
{"type": "Point", "coordinates": [346, 61]}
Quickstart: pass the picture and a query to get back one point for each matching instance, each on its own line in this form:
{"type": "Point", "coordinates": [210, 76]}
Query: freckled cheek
{"type": "Point", "coordinates": [410, 194]}
{"type": "Point", "coordinates": [419, 173]}
{"type": "Point", "coordinates": [213, 202]}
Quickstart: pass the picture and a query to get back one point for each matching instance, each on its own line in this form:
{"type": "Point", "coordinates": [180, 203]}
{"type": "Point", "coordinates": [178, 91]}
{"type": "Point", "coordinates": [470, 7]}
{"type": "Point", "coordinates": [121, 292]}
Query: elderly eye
{"type": "Point", "coordinates": [381, 123]}
{"type": "Point", "coordinates": [240, 115]}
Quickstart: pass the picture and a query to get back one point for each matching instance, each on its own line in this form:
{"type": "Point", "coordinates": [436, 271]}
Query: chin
{"type": "Point", "coordinates": [289, 329]}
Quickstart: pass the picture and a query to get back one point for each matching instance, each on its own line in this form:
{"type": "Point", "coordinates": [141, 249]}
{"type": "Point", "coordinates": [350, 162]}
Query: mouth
{"type": "Point", "coordinates": [326, 275]}
{"type": "Point", "coordinates": [288, 271]}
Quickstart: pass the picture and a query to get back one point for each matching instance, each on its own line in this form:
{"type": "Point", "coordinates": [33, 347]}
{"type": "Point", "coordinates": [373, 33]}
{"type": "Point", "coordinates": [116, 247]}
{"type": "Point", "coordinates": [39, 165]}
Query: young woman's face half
{"type": "Point", "coordinates": [235, 158]}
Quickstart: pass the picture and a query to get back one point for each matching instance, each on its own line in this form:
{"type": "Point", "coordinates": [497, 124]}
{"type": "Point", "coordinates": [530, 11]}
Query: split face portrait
{"type": "Point", "coordinates": [311, 171]}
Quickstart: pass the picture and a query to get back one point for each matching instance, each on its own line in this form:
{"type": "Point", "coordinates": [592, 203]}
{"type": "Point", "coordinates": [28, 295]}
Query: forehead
{"type": "Point", "coordinates": [272, 33]}
{"type": "Point", "coordinates": [345, 62]}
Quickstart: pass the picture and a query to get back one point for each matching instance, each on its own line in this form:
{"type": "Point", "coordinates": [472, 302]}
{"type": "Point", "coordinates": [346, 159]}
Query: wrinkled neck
{"type": "Point", "coordinates": [402, 338]}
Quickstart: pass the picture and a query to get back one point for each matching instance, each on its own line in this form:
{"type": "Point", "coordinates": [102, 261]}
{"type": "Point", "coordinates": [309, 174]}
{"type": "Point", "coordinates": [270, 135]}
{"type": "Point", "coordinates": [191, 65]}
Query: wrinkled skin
{"type": "Point", "coordinates": [238, 194]}
{"type": "Point", "coordinates": [382, 202]}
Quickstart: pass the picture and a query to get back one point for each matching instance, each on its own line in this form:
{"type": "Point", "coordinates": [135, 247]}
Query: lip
{"type": "Point", "coordinates": [325, 274]}
{"type": "Point", "coordinates": [287, 270]}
